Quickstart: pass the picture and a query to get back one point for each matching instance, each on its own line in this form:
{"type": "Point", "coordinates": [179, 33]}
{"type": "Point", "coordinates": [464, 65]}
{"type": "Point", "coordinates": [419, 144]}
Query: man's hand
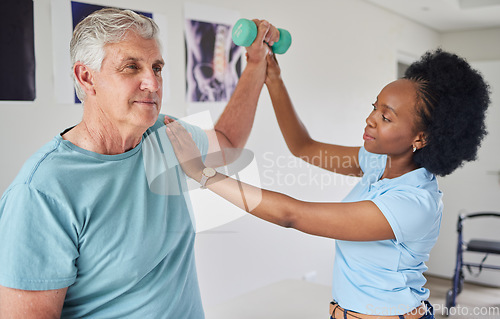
{"type": "Point", "coordinates": [267, 35]}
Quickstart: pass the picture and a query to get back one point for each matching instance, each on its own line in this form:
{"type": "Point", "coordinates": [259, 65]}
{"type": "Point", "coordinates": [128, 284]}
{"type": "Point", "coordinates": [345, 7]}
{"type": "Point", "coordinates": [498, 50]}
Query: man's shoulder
{"type": "Point", "coordinates": [35, 161]}
{"type": "Point", "coordinates": [160, 123]}
{"type": "Point", "coordinates": [157, 132]}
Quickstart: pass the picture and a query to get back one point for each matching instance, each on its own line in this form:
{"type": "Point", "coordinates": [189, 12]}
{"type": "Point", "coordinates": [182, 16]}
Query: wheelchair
{"type": "Point", "coordinates": [485, 247]}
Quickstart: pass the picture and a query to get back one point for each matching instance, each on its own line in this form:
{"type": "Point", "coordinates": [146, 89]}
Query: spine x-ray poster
{"type": "Point", "coordinates": [213, 61]}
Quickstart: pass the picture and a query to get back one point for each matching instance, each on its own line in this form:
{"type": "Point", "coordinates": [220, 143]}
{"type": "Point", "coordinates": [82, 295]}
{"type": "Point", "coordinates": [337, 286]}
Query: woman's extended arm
{"type": "Point", "coordinates": [358, 221]}
{"type": "Point", "coordinates": [361, 221]}
{"type": "Point", "coordinates": [336, 158]}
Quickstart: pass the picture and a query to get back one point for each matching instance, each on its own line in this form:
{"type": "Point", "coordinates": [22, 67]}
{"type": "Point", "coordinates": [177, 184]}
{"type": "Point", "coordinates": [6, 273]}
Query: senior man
{"type": "Point", "coordinates": [82, 234]}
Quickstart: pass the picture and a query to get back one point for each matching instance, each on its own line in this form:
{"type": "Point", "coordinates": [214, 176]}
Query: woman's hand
{"type": "Point", "coordinates": [185, 149]}
{"type": "Point", "coordinates": [273, 71]}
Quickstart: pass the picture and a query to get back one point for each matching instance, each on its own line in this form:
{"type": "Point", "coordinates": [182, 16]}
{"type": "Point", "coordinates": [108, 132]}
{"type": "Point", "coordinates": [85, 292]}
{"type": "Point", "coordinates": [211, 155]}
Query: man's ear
{"type": "Point", "coordinates": [85, 77]}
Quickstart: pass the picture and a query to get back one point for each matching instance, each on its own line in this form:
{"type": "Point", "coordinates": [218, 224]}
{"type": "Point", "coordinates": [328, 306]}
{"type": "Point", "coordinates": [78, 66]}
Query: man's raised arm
{"type": "Point", "coordinates": [234, 125]}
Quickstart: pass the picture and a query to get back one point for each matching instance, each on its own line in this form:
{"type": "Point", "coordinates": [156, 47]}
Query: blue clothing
{"type": "Point", "coordinates": [115, 229]}
{"type": "Point", "coordinates": [386, 277]}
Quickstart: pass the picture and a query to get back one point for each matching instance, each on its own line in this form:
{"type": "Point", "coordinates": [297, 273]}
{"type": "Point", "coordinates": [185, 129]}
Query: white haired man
{"type": "Point", "coordinates": [82, 234]}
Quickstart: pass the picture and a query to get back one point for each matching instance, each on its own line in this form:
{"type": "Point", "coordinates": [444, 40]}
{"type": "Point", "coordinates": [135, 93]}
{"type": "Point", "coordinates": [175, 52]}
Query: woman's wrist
{"type": "Point", "coordinates": [207, 174]}
{"type": "Point", "coordinates": [197, 175]}
{"type": "Point", "coordinates": [274, 82]}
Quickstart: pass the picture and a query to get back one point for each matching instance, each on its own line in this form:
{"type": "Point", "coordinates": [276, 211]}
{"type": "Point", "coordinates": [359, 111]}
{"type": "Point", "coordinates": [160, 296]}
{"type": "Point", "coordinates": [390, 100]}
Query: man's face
{"type": "Point", "coordinates": [129, 85]}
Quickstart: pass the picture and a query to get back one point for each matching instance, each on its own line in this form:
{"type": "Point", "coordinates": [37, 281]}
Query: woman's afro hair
{"type": "Point", "coordinates": [452, 99]}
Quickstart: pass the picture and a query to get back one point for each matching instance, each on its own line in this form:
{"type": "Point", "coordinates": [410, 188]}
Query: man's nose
{"type": "Point", "coordinates": [151, 81]}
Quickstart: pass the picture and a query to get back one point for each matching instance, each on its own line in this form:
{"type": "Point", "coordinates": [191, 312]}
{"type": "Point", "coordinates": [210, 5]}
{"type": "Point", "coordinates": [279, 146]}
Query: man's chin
{"type": "Point", "coordinates": [152, 118]}
{"type": "Point", "coordinates": [149, 118]}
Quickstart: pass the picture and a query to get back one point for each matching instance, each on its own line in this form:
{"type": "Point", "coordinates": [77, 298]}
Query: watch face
{"type": "Point", "coordinates": [209, 172]}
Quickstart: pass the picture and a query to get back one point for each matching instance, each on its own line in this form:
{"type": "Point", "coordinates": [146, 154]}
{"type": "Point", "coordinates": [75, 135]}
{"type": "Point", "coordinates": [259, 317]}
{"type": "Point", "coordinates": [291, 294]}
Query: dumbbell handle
{"type": "Point", "coordinates": [245, 32]}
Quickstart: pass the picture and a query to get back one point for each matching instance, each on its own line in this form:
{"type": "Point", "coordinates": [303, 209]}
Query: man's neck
{"type": "Point", "coordinates": [100, 135]}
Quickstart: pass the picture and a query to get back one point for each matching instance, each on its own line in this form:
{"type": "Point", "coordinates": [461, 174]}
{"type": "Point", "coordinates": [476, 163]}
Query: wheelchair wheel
{"type": "Point", "coordinates": [460, 282]}
{"type": "Point", "coordinates": [449, 302]}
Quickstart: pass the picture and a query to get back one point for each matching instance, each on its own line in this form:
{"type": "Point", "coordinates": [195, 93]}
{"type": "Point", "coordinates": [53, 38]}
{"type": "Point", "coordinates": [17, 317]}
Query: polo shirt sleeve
{"type": "Point", "coordinates": [38, 243]}
{"type": "Point", "coordinates": [371, 163]}
{"type": "Point", "coordinates": [410, 211]}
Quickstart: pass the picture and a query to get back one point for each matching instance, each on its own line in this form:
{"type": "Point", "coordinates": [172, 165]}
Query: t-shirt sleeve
{"type": "Point", "coordinates": [410, 211]}
{"type": "Point", "coordinates": [38, 243]}
{"type": "Point", "coordinates": [200, 138]}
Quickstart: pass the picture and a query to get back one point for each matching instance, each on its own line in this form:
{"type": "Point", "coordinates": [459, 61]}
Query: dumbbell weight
{"type": "Point", "coordinates": [245, 32]}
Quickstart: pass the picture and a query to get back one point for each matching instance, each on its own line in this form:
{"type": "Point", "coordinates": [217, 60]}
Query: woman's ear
{"type": "Point", "coordinates": [420, 141]}
{"type": "Point", "coordinates": [85, 77]}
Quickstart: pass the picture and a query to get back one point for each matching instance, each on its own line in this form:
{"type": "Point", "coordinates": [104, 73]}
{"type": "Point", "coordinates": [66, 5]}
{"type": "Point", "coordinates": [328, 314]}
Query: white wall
{"type": "Point", "coordinates": [477, 45]}
{"type": "Point", "coordinates": [343, 53]}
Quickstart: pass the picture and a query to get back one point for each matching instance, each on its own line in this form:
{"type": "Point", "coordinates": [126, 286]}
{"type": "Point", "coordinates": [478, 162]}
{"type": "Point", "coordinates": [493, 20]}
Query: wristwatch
{"type": "Point", "coordinates": [206, 174]}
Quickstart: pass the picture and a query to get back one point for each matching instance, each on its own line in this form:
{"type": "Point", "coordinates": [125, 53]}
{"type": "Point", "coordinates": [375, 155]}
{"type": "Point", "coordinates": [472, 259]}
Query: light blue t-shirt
{"type": "Point", "coordinates": [386, 277]}
{"type": "Point", "coordinates": [115, 229]}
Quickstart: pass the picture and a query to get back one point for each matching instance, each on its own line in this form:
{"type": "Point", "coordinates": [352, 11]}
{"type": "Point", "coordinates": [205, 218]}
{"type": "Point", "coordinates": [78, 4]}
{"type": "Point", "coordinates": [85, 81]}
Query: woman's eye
{"type": "Point", "coordinates": [385, 118]}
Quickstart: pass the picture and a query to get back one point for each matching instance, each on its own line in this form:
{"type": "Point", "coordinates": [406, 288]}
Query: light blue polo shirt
{"type": "Point", "coordinates": [386, 277]}
{"type": "Point", "coordinates": [115, 229]}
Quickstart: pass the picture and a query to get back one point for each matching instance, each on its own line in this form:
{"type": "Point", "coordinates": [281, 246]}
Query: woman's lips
{"type": "Point", "coordinates": [367, 137]}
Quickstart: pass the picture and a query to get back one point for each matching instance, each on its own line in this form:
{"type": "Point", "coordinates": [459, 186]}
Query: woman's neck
{"type": "Point", "coordinates": [396, 167]}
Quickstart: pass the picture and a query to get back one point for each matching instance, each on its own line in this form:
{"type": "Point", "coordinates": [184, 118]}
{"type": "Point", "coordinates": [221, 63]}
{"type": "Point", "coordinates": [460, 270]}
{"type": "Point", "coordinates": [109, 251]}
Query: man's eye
{"type": "Point", "coordinates": [132, 67]}
{"type": "Point", "coordinates": [157, 69]}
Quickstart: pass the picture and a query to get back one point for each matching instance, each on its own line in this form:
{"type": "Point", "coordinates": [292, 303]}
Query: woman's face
{"type": "Point", "coordinates": [390, 126]}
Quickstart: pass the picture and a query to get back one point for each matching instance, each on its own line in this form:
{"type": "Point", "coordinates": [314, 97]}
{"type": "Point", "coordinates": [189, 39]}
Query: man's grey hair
{"type": "Point", "coordinates": [105, 26]}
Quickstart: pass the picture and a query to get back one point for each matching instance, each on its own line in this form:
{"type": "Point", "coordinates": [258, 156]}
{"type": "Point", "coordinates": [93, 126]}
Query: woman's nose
{"type": "Point", "coordinates": [370, 120]}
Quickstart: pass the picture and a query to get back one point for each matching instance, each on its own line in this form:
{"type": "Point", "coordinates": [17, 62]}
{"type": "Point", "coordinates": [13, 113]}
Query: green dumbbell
{"type": "Point", "coordinates": [245, 32]}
